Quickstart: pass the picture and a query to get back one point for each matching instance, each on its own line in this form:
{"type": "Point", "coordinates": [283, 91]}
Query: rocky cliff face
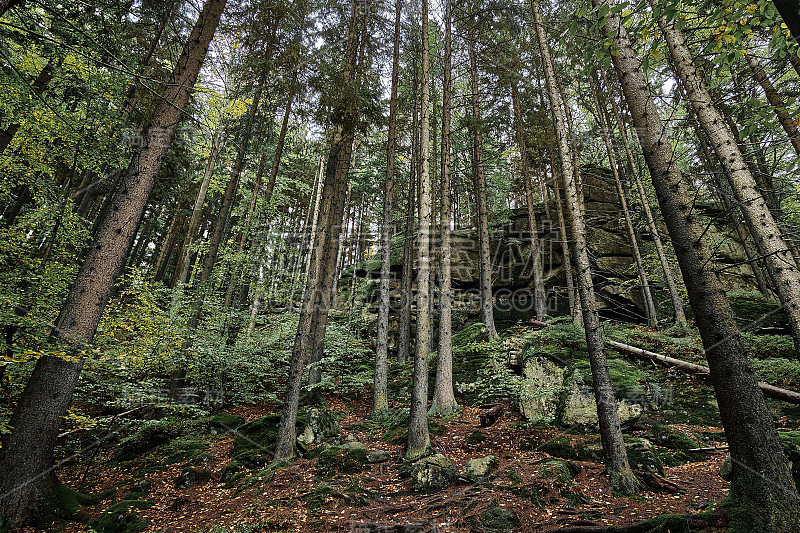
{"type": "Point", "coordinates": [616, 282]}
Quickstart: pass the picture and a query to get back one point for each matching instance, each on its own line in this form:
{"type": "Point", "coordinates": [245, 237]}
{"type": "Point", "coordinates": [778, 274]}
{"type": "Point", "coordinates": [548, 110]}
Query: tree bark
{"type": "Point", "coordinates": [775, 101]}
{"type": "Point", "coordinates": [766, 232]}
{"type": "Point", "coordinates": [616, 459]}
{"type": "Point", "coordinates": [314, 312]}
{"type": "Point", "coordinates": [761, 476]}
{"type": "Point", "coordinates": [444, 400]}
{"type": "Point", "coordinates": [479, 178]}
{"type": "Point", "coordinates": [790, 12]}
{"type": "Point", "coordinates": [27, 479]}
{"type": "Point", "coordinates": [380, 403]}
{"type": "Point", "coordinates": [418, 436]}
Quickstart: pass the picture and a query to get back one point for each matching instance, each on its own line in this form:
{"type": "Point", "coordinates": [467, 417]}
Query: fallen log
{"type": "Point", "coordinates": [770, 391]}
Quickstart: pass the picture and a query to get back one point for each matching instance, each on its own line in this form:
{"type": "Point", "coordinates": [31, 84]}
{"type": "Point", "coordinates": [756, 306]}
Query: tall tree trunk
{"type": "Point", "coordinates": [766, 232]}
{"type": "Point", "coordinates": [418, 436]}
{"type": "Point", "coordinates": [479, 177]}
{"type": "Point", "coordinates": [380, 403]}
{"type": "Point", "coordinates": [669, 279]}
{"type": "Point", "coordinates": [647, 295]}
{"type": "Point", "coordinates": [760, 477]}
{"type": "Point", "coordinates": [539, 294]}
{"type": "Point", "coordinates": [407, 279]}
{"type": "Point", "coordinates": [444, 400]}
{"type": "Point", "coordinates": [27, 481]}
{"type": "Point", "coordinates": [775, 101]}
{"type": "Point", "coordinates": [616, 459]}
{"type": "Point", "coordinates": [314, 313]}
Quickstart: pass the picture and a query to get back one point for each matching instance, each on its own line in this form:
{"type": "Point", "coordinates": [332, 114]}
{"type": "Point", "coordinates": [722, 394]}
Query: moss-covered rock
{"type": "Point", "coordinates": [224, 423]}
{"type": "Point", "coordinates": [320, 425]}
{"type": "Point", "coordinates": [498, 520]}
{"type": "Point", "coordinates": [259, 434]}
{"type": "Point", "coordinates": [642, 455]}
{"type": "Point", "coordinates": [476, 437]}
{"type": "Point", "coordinates": [479, 468]}
{"type": "Point", "coordinates": [146, 438]}
{"type": "Point", "coordinates": [121, 518]}
{"type": "Point", "coordinates": [559, 470]}
{"type": "Point", "coordinates": [433, 473]}
{"type": "Point", "coordinates": [350, 458]}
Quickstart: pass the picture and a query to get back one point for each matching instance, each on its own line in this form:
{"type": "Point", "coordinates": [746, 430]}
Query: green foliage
{"type": "Point", "coordinates": [626, 378]}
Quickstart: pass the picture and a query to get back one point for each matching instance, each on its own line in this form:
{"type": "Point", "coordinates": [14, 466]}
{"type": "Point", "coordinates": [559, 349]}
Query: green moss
{"type": "Point", "coordinates": [121, 517]}
{"type": "Point", "coordinates": [753, 309]}
{"type": "Point", "coordinates": [498, 520]}
{"type": "Point", "coordinates": [790, 440]}
{"type": "Point", "coordinates": [183, 449]}
{"type": "Point", "coordinates": [148, 437]}
{"type": "Point", "coordinates": [778, 371]}
{"type": "Point", "coordinates": [558, 470]}
{"type": "Point", "coordinates": [476, 437]}
{"type": "Point", "coordinates": [473, 334]}
{"type": "Point", "coordinates": [346, 459]}
{"type": "Point", "coordinates": [224, 422]}
{"type": "Point", "coordinates": [626, 378]}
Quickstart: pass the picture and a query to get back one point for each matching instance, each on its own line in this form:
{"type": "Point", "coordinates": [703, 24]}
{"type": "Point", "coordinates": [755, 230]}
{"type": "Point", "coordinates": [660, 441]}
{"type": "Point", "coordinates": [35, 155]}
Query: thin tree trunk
{"type": "Point", "coordinates": [407, 279]}
{"type": "Point", "coordinates": [766, 232]}
{"type": "Point", "coordinates": [27, 481]}
{"type": "Point", "coordinates": [775, 101]}
{"type": "Point", "coordinates": [380, 402]}
{"type": "Point", "coordinates": [444, 400]}
{"type": "Point", "coordinates": [647, 295]}
{"type": "Point", "coordinates": [760, 478]}
{"type": "Point", "coordinates": [479, 177]}
{"type": "Point", "coordinates": [314, 313]}
{"type": "Point", "coordinates": [185, 254]}
{"type": "Point", "coordinates": [39, 85]}
{"type": "Point", "coordinates": [616, 458]}
{"type": "Point", "coordinates": [669, 278]}
{"type": "Point", "coordinates": [539, 294]}
{"type": "Point", "coordinates": [574, 307]}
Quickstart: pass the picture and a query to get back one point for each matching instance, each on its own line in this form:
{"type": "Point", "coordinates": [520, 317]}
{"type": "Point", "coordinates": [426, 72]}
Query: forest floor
{"type": "Point", "coordinates": [379, 499]}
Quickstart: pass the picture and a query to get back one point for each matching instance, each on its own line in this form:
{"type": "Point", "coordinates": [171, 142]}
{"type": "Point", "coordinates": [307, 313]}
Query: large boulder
{"type": "Point", "coordinates": [540, 390]}
{"type": "Point", "coordinates": [433, 473]}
